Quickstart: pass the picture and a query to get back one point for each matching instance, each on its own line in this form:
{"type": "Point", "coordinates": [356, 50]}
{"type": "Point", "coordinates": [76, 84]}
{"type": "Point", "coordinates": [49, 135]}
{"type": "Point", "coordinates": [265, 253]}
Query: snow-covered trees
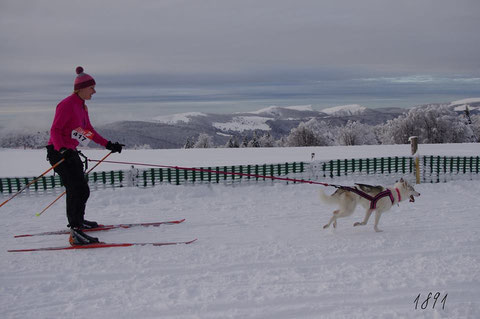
{"type": "Point", "coordinates": [254, 141]}
{"type": "Point", "coordinates": [356, 133]}
{"type": "Point", "coordinates": [311, 133]}
{"type": "Point", "coordinates": [431, 123]}
{"type": "Point", "coordinates": [204, 141]}
{"type": "Point", "coordinates": [476, 127]}
{"type": "Point", "coordinates": [232, 143]}
{"type": "Point", "coordinates": [266, 140]}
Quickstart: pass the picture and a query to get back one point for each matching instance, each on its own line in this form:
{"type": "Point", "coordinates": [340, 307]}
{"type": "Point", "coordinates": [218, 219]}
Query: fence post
{"type": "Point", "coordinates": [44, 181]}
{"type": "Point", "coordinates": [414, 147]}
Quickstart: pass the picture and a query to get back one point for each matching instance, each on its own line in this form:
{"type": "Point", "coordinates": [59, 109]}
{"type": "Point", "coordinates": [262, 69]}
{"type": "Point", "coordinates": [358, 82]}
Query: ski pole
{"type": "Point", "coordinates": [33, 181]}
{"type": "Point", "coordinates": [64, 192]}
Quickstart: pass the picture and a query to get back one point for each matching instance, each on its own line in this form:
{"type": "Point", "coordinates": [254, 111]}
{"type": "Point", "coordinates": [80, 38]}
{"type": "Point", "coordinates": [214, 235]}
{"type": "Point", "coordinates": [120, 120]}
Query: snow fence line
{"type": "Point", "coordinates": [433, 169]}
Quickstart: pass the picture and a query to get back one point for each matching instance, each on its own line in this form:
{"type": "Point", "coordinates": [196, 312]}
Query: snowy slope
{"type": "Point", "coordinates": [244, 123]}
{"type": "Point", "coordinates": [466, 101]}
{"type": "Point", "coordinates": [345, 110]}
{"type": "Point", "coordinates": [460, 105]}
{"type": "Point", "coordinates": [176, 118]}
{"type": "Point", "coordinates": [277, 110]}
{"type": "Point", "coordinates": [261, 253]}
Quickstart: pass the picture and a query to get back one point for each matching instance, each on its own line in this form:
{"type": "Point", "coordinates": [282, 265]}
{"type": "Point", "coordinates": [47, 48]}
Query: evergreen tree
{"type": "Point", "coordinates": [244, 142]}
{"type": "Point", "coordinates": [188, 144]}
{"type": "Point", "coordinates": [254, 141]}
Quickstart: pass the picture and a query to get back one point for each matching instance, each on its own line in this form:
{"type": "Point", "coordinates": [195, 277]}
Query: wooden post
{"type": "Point", "coordinates": [414, 146]}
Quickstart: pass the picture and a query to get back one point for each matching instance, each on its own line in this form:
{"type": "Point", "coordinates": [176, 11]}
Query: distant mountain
{"type": "Point", "coordinates": [461, 105]}
{"type": "Point", "coordinates": [173, 131]}
{"type": "Point", "coordinates": [345, 110]}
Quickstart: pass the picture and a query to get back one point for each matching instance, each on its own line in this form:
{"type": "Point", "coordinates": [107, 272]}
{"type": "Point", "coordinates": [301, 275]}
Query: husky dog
{"type": "Point", "coordinates": [372, 198]}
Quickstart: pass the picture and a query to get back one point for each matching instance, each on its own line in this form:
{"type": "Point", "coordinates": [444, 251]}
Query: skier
{"type": "Point", "coordinates": [71, 126]}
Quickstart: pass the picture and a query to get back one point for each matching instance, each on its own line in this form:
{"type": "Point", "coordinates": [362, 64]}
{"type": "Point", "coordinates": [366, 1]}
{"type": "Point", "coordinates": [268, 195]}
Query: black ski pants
{"type": "Point", "coordinates": [76, 185]}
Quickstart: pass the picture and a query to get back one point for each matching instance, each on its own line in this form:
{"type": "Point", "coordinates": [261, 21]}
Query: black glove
{"type": "Point", "coordinates": [67, 152]}
{"type": "Point", "coordinates": [114, 147]}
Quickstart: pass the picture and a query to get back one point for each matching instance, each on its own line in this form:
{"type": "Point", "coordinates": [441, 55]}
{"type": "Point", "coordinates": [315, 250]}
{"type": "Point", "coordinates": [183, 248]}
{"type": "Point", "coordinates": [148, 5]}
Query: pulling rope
{"type": "Point", "coordinates": [373, 199]}
{"type": "Point", "coordinates": [223, 172]}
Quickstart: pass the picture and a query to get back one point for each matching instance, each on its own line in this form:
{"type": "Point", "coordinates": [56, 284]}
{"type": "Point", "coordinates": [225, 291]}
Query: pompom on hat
{"type": "Point", "coordinates": [83, 80]}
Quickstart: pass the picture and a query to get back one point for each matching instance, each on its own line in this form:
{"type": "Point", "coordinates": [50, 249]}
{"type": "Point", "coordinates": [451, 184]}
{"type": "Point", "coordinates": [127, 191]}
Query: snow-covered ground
{"type": "Point", "coordinates": [261, 250]}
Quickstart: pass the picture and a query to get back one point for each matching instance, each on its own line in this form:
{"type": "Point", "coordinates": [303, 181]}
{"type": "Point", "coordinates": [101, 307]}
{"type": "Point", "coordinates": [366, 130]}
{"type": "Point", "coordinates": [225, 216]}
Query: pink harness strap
{"type": "Point", "coordinates": [373, 199]}
{"type": "Point", "coordinates": [399, 196]}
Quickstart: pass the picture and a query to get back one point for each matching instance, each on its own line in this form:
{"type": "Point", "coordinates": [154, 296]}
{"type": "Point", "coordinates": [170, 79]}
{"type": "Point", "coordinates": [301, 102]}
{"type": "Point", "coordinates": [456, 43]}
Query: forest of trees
{"type": "Point", "coordinates": [432, 124]}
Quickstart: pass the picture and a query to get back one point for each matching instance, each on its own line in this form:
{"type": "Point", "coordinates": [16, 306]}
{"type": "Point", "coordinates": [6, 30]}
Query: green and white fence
{"type": "Point", "coordinates": [433, 169]}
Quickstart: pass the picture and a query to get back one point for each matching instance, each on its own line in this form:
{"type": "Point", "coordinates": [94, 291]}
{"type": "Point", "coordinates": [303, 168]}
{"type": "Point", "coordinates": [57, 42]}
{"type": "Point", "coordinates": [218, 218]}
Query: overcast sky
{"type": "Point", "coordinates": [168, 43]}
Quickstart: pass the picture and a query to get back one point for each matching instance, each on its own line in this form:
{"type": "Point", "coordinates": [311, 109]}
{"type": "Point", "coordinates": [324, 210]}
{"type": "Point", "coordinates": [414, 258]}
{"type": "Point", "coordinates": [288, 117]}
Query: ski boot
{"type": "Point", "coordinates": [78, 237]}
{"type": "Point", "coordinates": [89, 224]}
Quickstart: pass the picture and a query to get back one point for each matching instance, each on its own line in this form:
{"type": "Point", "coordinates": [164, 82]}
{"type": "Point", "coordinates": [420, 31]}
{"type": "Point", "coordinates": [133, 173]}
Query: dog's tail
{"type": "Point", "coordinates": [328, 199]}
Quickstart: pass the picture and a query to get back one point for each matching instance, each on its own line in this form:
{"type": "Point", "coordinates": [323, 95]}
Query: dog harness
{"type": "Point", "coordinates": [373, 199]}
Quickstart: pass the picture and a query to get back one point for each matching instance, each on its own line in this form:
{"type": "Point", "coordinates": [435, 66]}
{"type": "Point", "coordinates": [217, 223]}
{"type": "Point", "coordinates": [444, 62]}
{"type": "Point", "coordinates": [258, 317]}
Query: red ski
{"type": "Point", "coordinates": [105, 227]}
{"type": "Point", "coordinates": [102, 245]}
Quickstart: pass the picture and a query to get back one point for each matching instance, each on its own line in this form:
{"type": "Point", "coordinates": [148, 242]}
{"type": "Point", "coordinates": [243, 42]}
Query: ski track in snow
{"type": "Point", "coordinates": [261, 253]}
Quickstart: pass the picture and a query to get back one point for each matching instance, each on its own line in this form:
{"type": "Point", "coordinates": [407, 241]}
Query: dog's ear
{"type": "Point", "coordinates": [402, 180]}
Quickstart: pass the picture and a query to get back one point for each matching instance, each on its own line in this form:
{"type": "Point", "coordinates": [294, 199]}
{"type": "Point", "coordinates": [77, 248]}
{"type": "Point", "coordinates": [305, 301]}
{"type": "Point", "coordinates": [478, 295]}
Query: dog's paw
{"type": "Point", "coordinates": [326, 226]}
{"type": "Point", "coordinates": [378, 230]}
{"type": "Point", "coordinates": [357, 224]}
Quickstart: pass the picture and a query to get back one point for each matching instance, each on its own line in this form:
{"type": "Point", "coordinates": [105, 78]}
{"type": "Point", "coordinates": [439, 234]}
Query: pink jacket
{"type": "Point", "coordinates": [71, 113]}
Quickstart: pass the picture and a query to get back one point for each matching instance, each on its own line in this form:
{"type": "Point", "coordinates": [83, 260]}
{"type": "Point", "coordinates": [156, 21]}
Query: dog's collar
{"type": "Point", "coordinates": [399, 196]}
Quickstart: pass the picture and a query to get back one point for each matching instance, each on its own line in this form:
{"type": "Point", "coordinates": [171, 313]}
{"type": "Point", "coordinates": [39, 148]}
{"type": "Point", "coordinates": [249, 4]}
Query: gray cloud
{"type": "Point", "coordinates": [169, 55]}
{"type": "Point", "coordinates": [239, 36]}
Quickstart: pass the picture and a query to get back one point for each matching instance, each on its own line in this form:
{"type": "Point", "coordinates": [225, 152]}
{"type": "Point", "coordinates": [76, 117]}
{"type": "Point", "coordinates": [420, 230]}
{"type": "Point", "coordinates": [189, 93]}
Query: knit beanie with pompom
{"type": "Point", "coordinates": [83, 80]}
